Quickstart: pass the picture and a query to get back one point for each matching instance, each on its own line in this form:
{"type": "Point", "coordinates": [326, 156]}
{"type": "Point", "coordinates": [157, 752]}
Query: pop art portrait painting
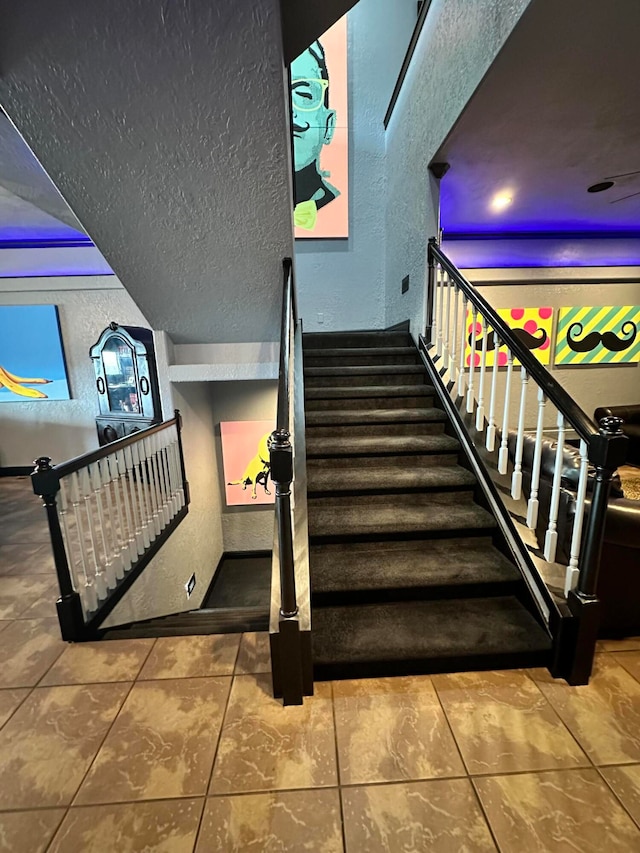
{"type": "Point", "coordinates": [531, 326]}
{"type": "Point", "coordinates": [320, 136]}
{"type": "Point", "coordinates": [246, 462]}
{"type": "Point", "coordinates": [32, 363]}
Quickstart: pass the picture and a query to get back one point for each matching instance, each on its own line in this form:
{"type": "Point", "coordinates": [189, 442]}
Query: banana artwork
{"type": "Point", "coordinates": [16, 384]}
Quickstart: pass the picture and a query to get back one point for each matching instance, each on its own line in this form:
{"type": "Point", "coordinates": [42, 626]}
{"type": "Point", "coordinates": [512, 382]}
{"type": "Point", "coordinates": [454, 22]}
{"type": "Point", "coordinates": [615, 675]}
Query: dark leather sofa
{"type": "Point", "coordinates": [619, 580]}
{"type": "Point", "coordinates": [631, 427]}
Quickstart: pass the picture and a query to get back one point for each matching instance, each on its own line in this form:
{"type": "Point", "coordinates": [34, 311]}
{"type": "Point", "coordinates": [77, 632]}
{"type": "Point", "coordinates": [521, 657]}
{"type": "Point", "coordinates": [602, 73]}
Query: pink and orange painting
{"type": "Point", "coordinates": [320, 130]}
{"type": "Point", "coordinates": [245, 460]}
{"type": "Point", "coordinates": [532, 327]}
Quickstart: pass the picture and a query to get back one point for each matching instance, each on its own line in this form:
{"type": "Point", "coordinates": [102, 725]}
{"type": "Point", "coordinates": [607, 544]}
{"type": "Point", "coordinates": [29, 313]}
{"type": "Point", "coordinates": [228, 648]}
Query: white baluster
{"type": "Point", "coordinates": [164, 459]}
{"type": "Point", "coordinates": [142, 500]}
{"type": "Point", "coordinates": [472, 360]}
{"type": "Point", "coordinates": [516, 477]}
{"type": "Point", "coordinates": [454, 335]}
{"type": "Point", "coordinates": [133, 500]}
{"type": "Point", "coordinates": [123, 564]}
{"type": "Point", "coordinates": [503, 455]}
{"type": "Point", "coordinates": [87, 590]}
{"type": "Point", "coordinates": [491, 428]}
{"type": "Point", "coordinates": [95, 476]}
{"type": "Point", "coordinates": [532, 508]}
{"type": "Point", "coordinates": [175, 453]}
{"type": "Point", "coordinates": [99, 579]}
{"type": "Point", "coordinates": [483, 371]}
{"type": "Point", "coordinates": [446, 351]}
{"type": "Point", "coordinates": [66, 535]}
{"type": "Point", "coordinates": [463, 346]}
{"type": "Point", "coordinates": [573, 572]}
{"type": "Point", "coordinates": [439, 302]}
{"type": "Point", "coordinates": [153, 491]}
{"type": "Point", "coordinates": [130, 550]}
{"type": "Point", "coordinates": [117, 560]}
{"type": "Point", "coordinates": [551, 539]}
{"type": "Point", "coordinates": [164, 514]}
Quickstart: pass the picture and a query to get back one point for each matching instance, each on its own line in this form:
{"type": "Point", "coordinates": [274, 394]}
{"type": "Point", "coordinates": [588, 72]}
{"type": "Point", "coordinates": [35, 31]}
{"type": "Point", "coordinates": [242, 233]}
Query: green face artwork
{"type": "Point", "coordinates": [313, 121]}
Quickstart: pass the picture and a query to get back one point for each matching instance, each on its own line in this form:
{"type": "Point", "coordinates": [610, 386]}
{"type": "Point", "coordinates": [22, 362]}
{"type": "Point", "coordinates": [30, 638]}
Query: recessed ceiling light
{"type": "Point", "coordinates": [500, 201]}
{"type": "Point", "coordinates": [601, 187]}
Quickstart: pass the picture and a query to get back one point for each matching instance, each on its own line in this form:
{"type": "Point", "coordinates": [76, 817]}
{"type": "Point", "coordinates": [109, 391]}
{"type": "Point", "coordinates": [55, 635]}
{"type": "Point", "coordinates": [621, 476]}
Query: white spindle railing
{"type": "Point", "coordinates": [454, 334]}
{"type": "Point", "coordinates": [114, 508]}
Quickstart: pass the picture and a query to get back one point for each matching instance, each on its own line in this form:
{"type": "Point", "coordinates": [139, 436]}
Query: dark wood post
{"type": "Point", "coordinates": [183, 472]}
{"type": "Point", "coordinates": [46, 485]}
{"type": "Point", "coordinates": [609, 451]}
{"type": "Point", "coordinates": [431, 291]}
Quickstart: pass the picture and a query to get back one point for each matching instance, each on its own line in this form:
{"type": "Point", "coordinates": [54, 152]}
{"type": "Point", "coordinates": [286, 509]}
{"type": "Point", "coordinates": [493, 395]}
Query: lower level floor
{"type": "Point", "coordinates": [176, 744]}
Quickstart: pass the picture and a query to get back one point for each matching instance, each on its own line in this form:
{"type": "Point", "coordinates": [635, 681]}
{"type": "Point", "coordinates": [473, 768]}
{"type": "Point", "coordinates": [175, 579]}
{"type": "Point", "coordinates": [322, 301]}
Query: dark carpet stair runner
{"type": "Point", "coordinates": [408, 570]}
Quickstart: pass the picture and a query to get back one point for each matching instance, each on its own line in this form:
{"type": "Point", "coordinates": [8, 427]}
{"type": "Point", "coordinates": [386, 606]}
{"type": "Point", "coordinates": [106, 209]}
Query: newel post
{"type": "Point", "coordinates": [607, 452]}
{"type": "Point", "coordinates": [46, 485]}
{"type": "Point", "coordinates": [430, 293]}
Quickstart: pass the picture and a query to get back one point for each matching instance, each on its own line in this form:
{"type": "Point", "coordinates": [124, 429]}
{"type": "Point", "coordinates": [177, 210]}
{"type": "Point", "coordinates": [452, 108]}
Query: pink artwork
{"type": "Point", "coordinates": [320, 136]}
{"type": "Point", "coordinates": [245, 460]}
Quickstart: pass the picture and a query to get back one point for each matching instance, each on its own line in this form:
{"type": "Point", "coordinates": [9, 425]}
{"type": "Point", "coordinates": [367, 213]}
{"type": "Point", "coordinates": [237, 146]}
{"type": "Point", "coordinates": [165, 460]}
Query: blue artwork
{"type": "Point", "coordinates": [32, 363]}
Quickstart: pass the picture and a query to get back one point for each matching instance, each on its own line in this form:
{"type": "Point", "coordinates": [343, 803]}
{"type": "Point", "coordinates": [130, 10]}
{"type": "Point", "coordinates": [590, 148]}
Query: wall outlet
{"type": "Point", "coordinates": [320, 317]}
{"type": "Point", "coordinates": [405, 284]}
{"type": "Point", "coordinates": [190, 585]}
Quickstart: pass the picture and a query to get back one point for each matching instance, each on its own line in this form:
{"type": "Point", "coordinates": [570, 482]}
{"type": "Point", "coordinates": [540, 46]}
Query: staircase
{"type": "Point", "coordinates": [409, 570]}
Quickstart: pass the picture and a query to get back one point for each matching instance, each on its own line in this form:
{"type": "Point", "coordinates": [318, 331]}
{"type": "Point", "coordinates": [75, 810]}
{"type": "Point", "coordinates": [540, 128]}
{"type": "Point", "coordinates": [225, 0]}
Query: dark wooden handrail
{"type": "Point", "coordinates": [564, 402]}
{"type": "Point", "coordinates": [288, 317]}
{"type": "Point", "coordinates": [79, 462]}
{"type": "Point", "coordinates": [415, 35]}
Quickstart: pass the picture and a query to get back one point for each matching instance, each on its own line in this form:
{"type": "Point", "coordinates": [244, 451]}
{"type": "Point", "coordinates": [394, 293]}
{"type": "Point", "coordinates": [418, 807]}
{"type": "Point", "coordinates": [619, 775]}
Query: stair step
{"type": "Point", "coordinates": [362, 355]}
{"type": "Point", "coordinates": [393, 566]}
{"type": "Point", "coordinates": [357, 416]}
{"type": "Point", "coordinates": [373, 446]}
{"type": "Point", "coordinates": [335, 520]}
{"type": "Point", "coordinates": [315, 402]}
{"type": "Point", "coordinates": [365, 370]}
{"type": "Point", "coordinates": [355, 340]}
{"type": "Point", "coordinates": [351, 463]}
{"type": "Point", "coordinates": [426, 637]}
{"type": "Point", "coordinates": [378, 379]}
{"type": "Point", "coordinates": [387, 479]}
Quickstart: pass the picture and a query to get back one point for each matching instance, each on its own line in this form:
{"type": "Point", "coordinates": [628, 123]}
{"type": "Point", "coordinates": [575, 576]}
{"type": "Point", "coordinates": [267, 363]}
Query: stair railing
{"type": "Point", "coordinates": [109, 512]}
{"type": "Point", "coordinates": [290, 619]}
{"type": "Point", "coordinates": [456, 314]}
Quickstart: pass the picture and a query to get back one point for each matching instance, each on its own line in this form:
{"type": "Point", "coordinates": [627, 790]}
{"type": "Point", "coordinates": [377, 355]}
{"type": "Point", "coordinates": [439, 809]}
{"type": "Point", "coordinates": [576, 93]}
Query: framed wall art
{"type": "Point", "coordinates": [320, 131]}
{"type": "Point", "coordinates": [598, 335]}
{"type": "Point", "coordinates": [246, 463]}
{"type": "Point", "coordinates": [532, 326]}
{"type": "Point", "coordinates": [32, 363]}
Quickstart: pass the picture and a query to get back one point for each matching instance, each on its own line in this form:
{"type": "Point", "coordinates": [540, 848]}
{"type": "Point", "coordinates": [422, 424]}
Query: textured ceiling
{"type": "Point", "coordinates": [557, 112]}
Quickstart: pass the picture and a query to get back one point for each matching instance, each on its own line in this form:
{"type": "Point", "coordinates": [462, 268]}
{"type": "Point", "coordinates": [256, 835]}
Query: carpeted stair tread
{"type": "Point", "coordinates": [437, 562]}
{"type": "Point", "coordinates": [364, 370]}
{"type": "Point", "coordinates": [364, 445]}
{"type": "Point", "coordinates": [355, 417]}
{"type": "Point", "coordinates": [383, 478]}
{"type": "Point", "coordinates": [354, 340]}
{"type": "Point", "coordinates": [354, 391]}
{"type": "Point", "coordinates": [338, 352]}
{"type": "Point", "coordinates": [355, 519]}
{"type": "Point", "coordinates": [420, 634]}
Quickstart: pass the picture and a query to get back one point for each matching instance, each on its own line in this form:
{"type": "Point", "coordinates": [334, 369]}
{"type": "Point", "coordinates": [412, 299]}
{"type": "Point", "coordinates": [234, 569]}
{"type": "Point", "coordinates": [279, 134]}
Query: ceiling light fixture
{"type": "Point", "coordinates": [501, 201]}
{"type": "Point", "coordinates": [601, 187]}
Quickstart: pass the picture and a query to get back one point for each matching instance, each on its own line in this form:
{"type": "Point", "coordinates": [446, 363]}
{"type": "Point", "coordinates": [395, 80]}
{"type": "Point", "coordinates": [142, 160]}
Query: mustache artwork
{"type": "Point", "coordinates": [528, 340]}
{"type": "Point", "coordinates": [609, 340]}
{"type": "Point", "coordinates": [532, 327]}
{"type": "Point", "coordinates": [598, 334]}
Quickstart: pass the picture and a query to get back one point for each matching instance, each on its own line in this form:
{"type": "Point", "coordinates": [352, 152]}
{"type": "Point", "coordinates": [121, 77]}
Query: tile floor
{"type": "Point", "coordinates": [176, 745]}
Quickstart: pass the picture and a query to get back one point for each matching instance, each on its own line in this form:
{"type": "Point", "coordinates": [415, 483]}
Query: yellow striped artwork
{"type": "Point", "coordinates": [608, 334]}
{"type": "Point", "coordinates": [532, 327]}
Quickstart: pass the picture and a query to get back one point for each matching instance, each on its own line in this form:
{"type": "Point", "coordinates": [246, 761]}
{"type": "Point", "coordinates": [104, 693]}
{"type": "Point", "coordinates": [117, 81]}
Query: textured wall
{"type": "Point", "coordinates": [344, 279]}
{"type": "Point", "coordinates": [458, 43]}
{"type": "Point", "coordinates": [164, 125]}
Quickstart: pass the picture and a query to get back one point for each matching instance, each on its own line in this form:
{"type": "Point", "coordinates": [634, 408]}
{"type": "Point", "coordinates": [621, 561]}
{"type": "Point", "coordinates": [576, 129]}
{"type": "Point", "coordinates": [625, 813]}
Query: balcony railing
{"type": "Point", "coordinates": [109, 512]}
{"type": "Point", "coordinates": [521, 400]}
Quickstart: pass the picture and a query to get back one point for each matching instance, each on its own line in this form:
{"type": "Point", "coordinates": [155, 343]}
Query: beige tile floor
{"type": "Point", "coordinates": [176, 745]}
